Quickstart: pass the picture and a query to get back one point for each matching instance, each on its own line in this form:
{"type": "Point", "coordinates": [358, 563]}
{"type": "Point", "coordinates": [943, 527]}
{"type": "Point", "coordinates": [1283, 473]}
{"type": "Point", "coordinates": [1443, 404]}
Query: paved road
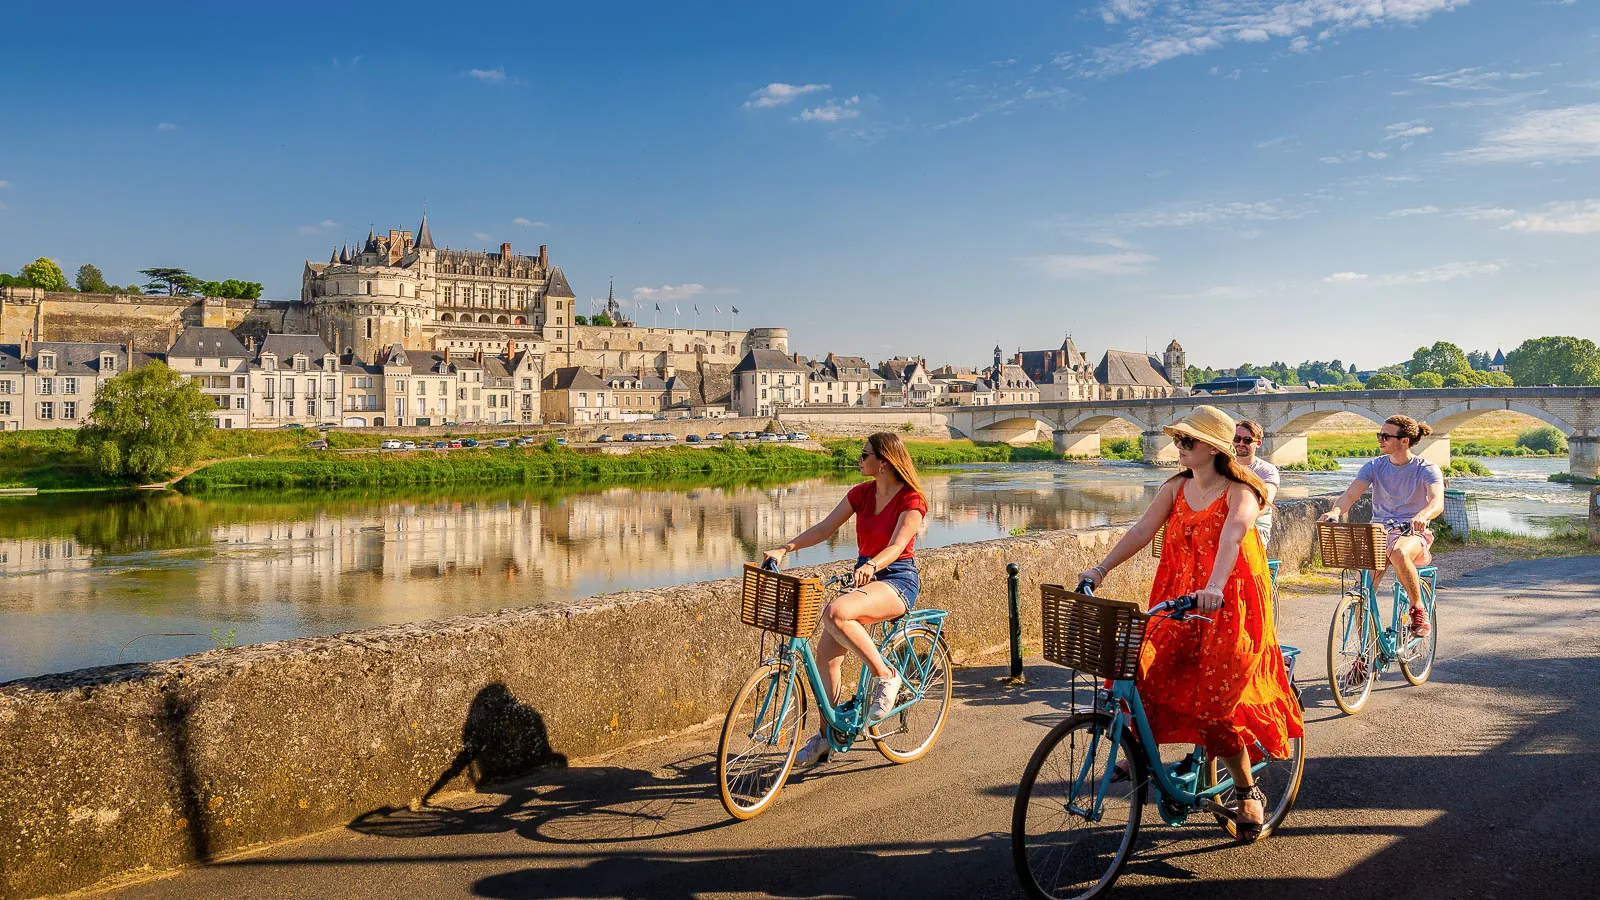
{"type": "Point", "coordinates": [1481, 783]}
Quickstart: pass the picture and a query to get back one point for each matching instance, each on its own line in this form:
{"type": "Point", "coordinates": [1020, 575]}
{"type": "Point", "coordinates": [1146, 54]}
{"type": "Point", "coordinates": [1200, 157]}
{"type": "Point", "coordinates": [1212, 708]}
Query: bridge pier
{"type": "Point", "coordinates": [1583, 456]}
{"type": "Point", "coordinates": [1283, 449]}
{"type": "Point", "coordinates": [1159, 449]}
{"type": "Point", "coordinates": [1434, 449]}
{"type": "Point", "coordinates": [1077, 443]}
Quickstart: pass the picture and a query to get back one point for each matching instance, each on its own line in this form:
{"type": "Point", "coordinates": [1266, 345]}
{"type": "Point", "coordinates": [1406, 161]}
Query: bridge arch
{"type": "Point", "coordinates": [1008, 428]}
{"type": "Point", "coordinates": [1094, 420]}
{"type": "Point", "coordinates": [1301, 419]}
{"type": "Point", "coordinates": [1458, 414]}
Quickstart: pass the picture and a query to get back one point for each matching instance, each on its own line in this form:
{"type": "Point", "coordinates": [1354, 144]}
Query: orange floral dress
{"type": "Point", "coordinates": [1220, 684]}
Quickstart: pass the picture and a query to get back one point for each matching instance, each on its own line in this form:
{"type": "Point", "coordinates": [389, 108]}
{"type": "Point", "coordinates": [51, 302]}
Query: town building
{"type": "Point", "coordinates": [53, 384]}
{"type": "Point", "coordinates": [1498, 364]}
{"type": "Point", "coordinates": [1061, 374]}
{"type": "Point", "coordinates": [843, 381]}
{"type": "Point", "coordinates": [219, 365]}
{"type": "Point", "coordinates": [1011, 384]}
{"type": "Point", "coordinates": [767, 379]}
{"type": "Point", "coordinates": [907, 382]}
{"type": "Point", "coordinates": [1135, 376]}
{"type": "Point", "coordinates": [295, 379]}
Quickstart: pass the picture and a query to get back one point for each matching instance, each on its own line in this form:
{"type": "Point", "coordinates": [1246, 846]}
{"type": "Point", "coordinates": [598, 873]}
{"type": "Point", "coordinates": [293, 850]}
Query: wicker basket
{"type": "Point", "coordinates": [1351, 545]}
{"type": "Point", "coordinates": [1096, 635]}
{"type": "Point", "coordinates": [781, 603]}
{"type": "Point", "coordinates": [1160, 540]}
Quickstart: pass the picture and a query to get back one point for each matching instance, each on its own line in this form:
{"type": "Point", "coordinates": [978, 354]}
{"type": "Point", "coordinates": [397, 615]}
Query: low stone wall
{"type": "Point", "coordinates": [859, 421]}
{"type": "Point", "coordinates": [151, 766]}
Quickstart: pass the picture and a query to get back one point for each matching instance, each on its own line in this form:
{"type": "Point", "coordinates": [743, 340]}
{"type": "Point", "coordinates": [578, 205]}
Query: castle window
{"type": "Point", "coordinates": [449, 294]}
{"type": "Point", "coordinates": [483, 296]}
{"type": "Point", "coordinates": [369, 329]}
{"type": "Point", "coordinates": [369, 287]}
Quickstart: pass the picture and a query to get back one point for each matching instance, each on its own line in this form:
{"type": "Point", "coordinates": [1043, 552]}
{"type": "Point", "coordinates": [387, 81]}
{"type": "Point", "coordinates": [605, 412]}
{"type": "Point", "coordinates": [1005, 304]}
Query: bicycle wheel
{"type": "Point", "coordinates": [759, 740]}
{"type": "Point", "coordinates": [1352, 654]}
{"type": "Point", "coordinates": [1416, 661]}
{"type": "Point", "coordinates": [1058, 853]}
{"type": "Point", "coordinates": [924, 666]}
{"type": "Point", "coordinates": [1279, 780]}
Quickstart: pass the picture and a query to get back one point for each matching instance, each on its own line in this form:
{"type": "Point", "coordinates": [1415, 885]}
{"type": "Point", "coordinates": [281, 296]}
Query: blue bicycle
{"type": "Point", "coordinates": [768, 716]}
{"type": "Point", "coordinates": [1077, 812]}
{"type": "Point", "coordinates": [1360, 646]}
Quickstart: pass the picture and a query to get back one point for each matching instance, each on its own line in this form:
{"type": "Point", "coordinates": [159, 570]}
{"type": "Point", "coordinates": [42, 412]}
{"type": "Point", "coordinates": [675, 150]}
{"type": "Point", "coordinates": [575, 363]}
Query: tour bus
{"type": "Point", "coordinates": [1252, 384]}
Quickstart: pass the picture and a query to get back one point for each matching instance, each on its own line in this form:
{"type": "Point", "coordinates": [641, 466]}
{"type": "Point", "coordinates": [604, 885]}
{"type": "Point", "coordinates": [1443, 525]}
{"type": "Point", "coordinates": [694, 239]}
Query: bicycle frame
{"type": "Point", "coordinates": [842, 724]}
{"type": "Point", "coordinates": [1389, 649]}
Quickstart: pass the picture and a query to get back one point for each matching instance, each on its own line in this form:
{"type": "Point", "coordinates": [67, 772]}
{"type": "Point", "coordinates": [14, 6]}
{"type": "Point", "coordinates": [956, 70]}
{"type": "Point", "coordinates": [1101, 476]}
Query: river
{"type": "Point", "coordinates": [82, 575]}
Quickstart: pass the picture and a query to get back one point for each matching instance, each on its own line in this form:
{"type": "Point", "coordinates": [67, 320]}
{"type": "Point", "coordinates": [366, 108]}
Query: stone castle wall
{"type": "Point", "coordinates": [151, 323]}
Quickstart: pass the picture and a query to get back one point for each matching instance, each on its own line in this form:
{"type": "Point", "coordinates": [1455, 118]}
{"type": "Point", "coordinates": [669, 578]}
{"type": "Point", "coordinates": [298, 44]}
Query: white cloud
{"type": "Point", "coordinates": [1566, 134]}
{"type": "Point", "coordinates": [496, 75]}
{"type": "Point", "coordinates": [668, 293]}
{"type": "Point", "coordinates": [1483, 213]}
{"type": "Point", "coordinates": [1412, 211]}
{"type": "Point", "coordinates": [1433, 275]}
{"type": "Point", "coordinates": [778, 94]}
{"type": "Point", "coordinates": [1353, 156]}
{"type": "Point", "coordinates": [1473, 79]}
{"type": "Point", "coordinates": [1070, 266]}
{"type": "Point", "coordinates": [166, 126]}
{"type": "Point", "coordinates": [1405, 131]}
{"type": "Point", "coordinates": [1155, 33]}
{"type": "Point", "coordinates": [529, 223]}
{"type": "Point", "coordinates": [1580, 217]}
{"type": "Point", "coordinates": [482, 236]}
{"type": "Point", "coordinates": [1189, 215]}
{"type": "Point", "coordinates": [323, 227]}
{"type": "Point", "coordinates": [833, 110]}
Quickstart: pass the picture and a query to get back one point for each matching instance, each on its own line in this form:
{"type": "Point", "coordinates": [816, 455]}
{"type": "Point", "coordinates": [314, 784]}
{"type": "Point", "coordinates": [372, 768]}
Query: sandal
{"type": "Point", "coordinates": [1420, 627]}
{"type": "Point", "coordinates": [1249, 832]}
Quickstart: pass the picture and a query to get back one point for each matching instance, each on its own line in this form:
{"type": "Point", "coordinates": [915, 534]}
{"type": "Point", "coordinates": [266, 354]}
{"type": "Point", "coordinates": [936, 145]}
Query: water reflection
{"type": "Point", "coordinates": [83, 574]}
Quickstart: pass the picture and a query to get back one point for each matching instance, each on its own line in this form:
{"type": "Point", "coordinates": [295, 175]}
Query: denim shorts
{"type": "Point", "coordinates": [900, 575]}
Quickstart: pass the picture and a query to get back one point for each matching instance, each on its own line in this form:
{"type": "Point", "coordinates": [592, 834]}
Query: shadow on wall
{"type": "Point", "coordinates": [503, 738]}
{"type": "Point", "coordinates": [174, 723]}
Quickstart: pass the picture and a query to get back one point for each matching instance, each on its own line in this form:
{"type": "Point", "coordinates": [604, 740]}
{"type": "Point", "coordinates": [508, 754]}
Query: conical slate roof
{"type": "Point", "coordinates": [558, 285]}
{"type": "Point", "coordinates": [424, 236]}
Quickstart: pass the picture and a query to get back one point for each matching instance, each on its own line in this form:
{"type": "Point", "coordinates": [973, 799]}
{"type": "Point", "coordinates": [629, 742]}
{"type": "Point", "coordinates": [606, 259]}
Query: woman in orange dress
{"type": "Point", "coordinates": [1220, 684]}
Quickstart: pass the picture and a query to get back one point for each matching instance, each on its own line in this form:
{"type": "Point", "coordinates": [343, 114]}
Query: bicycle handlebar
{"type": "Point", "coordinates": [1177, 609]}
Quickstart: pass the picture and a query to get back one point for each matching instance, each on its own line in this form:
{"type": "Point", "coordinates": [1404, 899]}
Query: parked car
{"type": "Point", "coordinates": [408, 445]}
{"type": "Point", "coordinates": [390, 444]}
{"type": "Point", "coordinates": [799, 436]}
{"type": "Point", "coordinates": [317, 445]}
{"type": "Point", "coordinates": [693, 439]}
{"type": "Point", "coordinates": [605, 439]}
{"type": "Point", "coordinates": [502, 443]}
{"type": "Point", "coordinates": [771, 437]}
{"type": "Point", "coordinates": [326, 425]}
{"type": "Point", "coordinates": [630, 438]}
{"type": "Point", "coordinates": [669, 437]}
{"type": "Point", "coordinates": [291, 425]}
{"type": "Point", "coordinates": [455, 444]}
{"type": "Point", "coordinates": [561, 442]}
{"type": "Point", "coordinates": [714, 436]}
{"type": "Point", "coordinates": [508, 421]}
{"type": "Point", "coordinates": [441, 445]}
{"type": "Point", "coordinates": [469, 442]}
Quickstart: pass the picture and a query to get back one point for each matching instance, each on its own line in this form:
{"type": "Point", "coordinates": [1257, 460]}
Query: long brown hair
{"type": "Point", "coordinates": [889, 448]}
{"type": "Point", "coordinates": [1225, 465]}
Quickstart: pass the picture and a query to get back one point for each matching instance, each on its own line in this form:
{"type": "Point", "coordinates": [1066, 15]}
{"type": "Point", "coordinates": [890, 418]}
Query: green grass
{"type": "Point", "coordinates": [1347, 446]}
{"type": "Point", "coordinates": [1572, 542]}
{"type": "Point", "coordinates": [1315, 462]}
{"type": "Point", "coordinates": [933, 454]}
{"type": "Point", "coordinates": [1569, 478]}
{"type": "Point", "coordinates": [1461, 467]}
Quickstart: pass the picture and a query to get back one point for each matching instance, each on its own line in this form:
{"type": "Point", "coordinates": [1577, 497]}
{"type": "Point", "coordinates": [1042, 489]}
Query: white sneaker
{"type": "Point", "coordinates": [814, 751]}
{"type": "Point", "coordinates": [885, 696]}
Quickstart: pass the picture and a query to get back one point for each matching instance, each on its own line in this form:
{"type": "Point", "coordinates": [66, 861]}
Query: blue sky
{"type": "Point", "coordinates": [1264, 179]}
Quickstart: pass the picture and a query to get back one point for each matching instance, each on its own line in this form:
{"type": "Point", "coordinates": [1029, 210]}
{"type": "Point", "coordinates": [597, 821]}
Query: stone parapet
{"type": "Point", "coordinates": [151, 766]}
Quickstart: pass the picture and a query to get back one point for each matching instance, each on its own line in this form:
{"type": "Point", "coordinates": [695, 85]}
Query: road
{"type": "Point", "coordinates": [1481, 783]}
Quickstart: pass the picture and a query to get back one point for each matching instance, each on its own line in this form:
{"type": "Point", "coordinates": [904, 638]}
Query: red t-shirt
{"type": "Point", "coordinates": [873, 530]}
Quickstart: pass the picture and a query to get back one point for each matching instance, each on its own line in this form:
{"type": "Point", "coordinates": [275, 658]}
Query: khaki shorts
{"type": "Point", "coordinates": [1427, 545]}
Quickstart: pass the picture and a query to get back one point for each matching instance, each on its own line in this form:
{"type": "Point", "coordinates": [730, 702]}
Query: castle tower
{"type": "Point", "coordinates": [997, 354]}
{"type": "Point", "coordinates": [1176, 361]}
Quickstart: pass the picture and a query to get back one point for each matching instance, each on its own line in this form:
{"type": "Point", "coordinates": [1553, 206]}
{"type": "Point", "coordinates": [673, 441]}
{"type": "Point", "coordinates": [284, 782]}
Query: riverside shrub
{"type": "Point", "coordinates": [1546, 437]}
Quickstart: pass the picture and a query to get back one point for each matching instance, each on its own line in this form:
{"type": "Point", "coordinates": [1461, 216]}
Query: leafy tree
{"type": "Point", "coordinates": [1443, 358]}
{"type": "Point", "coordinates": [601, 319]}
{"type": "Point", "coordinates": [1386, 381]}
{"type": "Point", "coordinates": [1427, 380]}
{"type": "Point", "coordinates": [245, 290]}
{"type": "Point", "coordinates": [1477, 379]}
{"type": "Point", "coordinates": [171, 281]}
{"type": "Point", "coordinates": [580, 320]}
{"type": "Point", "coordinates": [1554, 360]}
{"type": "Point", "coordinates": [8, 280]}
{"type": "Point", "coordinates": [146, 422]}
{"type": "Point", "coordinates": [1479, 360]}
{"type": "Point", "coordinates": [91, 280]}
{"type": "Point", "coordinates": [1546, 437]}
{"type": "Point", "coordinates": [46, 275]}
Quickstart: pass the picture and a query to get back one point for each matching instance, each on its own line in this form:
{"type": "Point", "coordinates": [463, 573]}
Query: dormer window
{"type": "Point", "coordinates": [268, 364]}
{"type": "Point", "coordinates": [108, 363]}
{"type": "Point", "coordinates": [299, 363]}
{"type": "Point", "coordinates": [47, 362]}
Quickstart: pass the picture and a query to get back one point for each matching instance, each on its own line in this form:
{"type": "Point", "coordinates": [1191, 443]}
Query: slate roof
{"type": "Point", "coordinates": [1119, 367]}
{"type": "Point", "coordinates": [558, 286]}
{"type": "Point", "coordinates": [1499, 359]}
{"type": "Point", "coordinates": [207, 343]}
{"type": "Point", "coordinates": [572, 378]}
{"type": "Point", "coordinates": [624, 381]}
{"type": "Point", "coordinates": [768, 360]}
{"type": "Point", "coordinates": [424, 236]}
{"type": "Point", "coordinates": [285, 346]}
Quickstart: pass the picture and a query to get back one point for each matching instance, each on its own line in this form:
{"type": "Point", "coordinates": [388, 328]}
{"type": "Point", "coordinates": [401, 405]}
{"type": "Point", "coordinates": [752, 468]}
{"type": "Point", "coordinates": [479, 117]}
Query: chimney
{"type": "Point", "coordinates": [478, 356]}
{"type": "Point", "coordinates": [505, 252]}
{"type": "Point", "coordinates": [447, 355]}
{"type": "Point", "coordinates": [797, 359]}
{"type": "Point", "coordinates": [511, 348]}
{"type": "Point", "coordinates": [544, 256]}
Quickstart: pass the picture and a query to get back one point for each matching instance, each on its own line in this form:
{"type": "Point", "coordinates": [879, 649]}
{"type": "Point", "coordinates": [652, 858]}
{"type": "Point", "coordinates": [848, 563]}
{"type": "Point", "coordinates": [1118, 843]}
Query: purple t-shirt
{"type": "Point", "coordinates": [1399, 492]}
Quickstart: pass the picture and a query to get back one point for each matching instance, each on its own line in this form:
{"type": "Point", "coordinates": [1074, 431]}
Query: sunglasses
{"type": "Point", "coordinates": [1247, 441]}
{"type": "Point", "coordinates": [1185, 443]}
{"type": "Point", "coordinates": [1386, 436]}
{"type": "Point", "coordinates": [864, 454]}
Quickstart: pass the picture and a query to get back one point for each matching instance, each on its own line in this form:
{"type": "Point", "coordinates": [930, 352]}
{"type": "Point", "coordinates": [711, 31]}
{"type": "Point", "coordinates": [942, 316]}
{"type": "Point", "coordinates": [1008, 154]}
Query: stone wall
{"type": "Point", "coordinates": [151, 322]}
{"type": "Point", "coordinates": [860, 421]}
{"type": "Point", "coordinates": [151, 766]}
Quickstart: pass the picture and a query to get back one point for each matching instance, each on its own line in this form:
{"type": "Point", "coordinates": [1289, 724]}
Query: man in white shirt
{"type": "Point", "coordinates": [1246, 441]}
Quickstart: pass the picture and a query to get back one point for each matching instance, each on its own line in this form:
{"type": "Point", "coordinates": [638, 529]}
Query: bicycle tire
{"type": "Point", "coordinates": [746, 792]}
{"type": "Point", "coordinates": [919, 674]}
{"type": "Point", "coordinates": [1280, 780]}
{"type": "Point", "coordinates": [1416, 667]}
{"type": "Point", "coordinates": [1352, 623]}
{"type": "Point", "coordinates": [1032, 794]}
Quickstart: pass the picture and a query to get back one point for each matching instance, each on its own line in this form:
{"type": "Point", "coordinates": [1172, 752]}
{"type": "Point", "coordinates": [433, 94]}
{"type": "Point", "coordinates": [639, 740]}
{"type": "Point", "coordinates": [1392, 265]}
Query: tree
{"type": "Point", "coordinates": [9, 280]}
{"type": "Point", "coordinates": [91, 280]}
{"type": "Point", "coordinates": [1554, 360]}
{"type": "Point", "coordinates": [1386, 381]}
{"type": "Point", "coordinates": [601, 319]}
{"type": "Point", "coordinates": [171, 281]}
{"type": "Point", "coordinates": [1477, 379]}
{"type": "Point", "coordinates": [1479, 360]}
{"type": "Point", "coordinates": [46, 275]}
{"type": "Point", "coordinates": [245, 290]}
{"type": "Point", "coordinates": [1428, 380]}
{"type": "Point", "coordinates": [146, 422]}
{"type": "Point", "coordinates": [580, 320]}
{"type": "Point", "coordinates": [1443, 358]}
{"type": "Point", "coordinates": [1546, 437]}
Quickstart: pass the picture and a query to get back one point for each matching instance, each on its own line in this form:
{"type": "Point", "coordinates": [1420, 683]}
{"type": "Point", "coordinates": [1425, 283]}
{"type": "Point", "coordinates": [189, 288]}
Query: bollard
{"type": "Point", "coordinates": [1013, 597]}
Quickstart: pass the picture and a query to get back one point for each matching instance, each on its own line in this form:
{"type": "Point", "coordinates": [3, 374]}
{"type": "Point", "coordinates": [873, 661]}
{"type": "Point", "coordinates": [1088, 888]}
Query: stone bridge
{"type": "Point", "coordinates": [1287, 418]}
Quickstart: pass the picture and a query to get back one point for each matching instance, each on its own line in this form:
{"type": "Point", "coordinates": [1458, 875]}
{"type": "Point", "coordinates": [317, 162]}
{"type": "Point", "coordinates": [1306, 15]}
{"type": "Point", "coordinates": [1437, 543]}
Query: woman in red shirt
{"type": "Point", "coordinates": [888, 511]}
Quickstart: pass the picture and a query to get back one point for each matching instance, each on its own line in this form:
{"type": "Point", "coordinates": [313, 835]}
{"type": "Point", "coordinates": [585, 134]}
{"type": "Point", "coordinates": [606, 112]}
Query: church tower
{"type": "Point", "coordinates": [1176, 361]}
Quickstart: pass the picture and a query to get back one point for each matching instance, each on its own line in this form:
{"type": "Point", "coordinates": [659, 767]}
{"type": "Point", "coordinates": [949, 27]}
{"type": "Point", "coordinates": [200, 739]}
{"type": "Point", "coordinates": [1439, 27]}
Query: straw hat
{"type": "Point", "coordinates": [1208, 425]}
